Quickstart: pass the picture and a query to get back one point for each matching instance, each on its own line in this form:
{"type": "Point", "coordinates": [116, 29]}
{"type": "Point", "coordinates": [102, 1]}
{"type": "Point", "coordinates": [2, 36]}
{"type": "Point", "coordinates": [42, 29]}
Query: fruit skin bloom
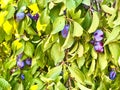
{"type": "Point", "coordinates": [64, 32]}
{"type": "Point", "coordinates": [28, 61]}
{"type": "Point", "coordinates": [98, 35]}
{"type": "Point", "coordinates": [20, 64]}
{"type": "Point", "coordinates": [20, 16]}
{"type": "Point", "coordinates": [98, 46]}
{"type": "Point", "coordinates": [112, 75]}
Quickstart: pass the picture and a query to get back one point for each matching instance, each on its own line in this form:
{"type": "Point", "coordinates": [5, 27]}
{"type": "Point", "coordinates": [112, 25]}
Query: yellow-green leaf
{"type": "Point", "coordinates": [2, 17]}
{"type": "Point", "coordinates": [77, 74]}
{"type": "Point", "coordinates": [7, 27]}
{"type": "Point", "coordinates": [78, 30]}
{"type": "Point", "coordinates": [34, 8]}
{"type": "Point", "coordinates": [95, 23]}
{"type": "Point", "coordinates": [58, 25]}
{"type": "Point", "coordinates": [92, 68]}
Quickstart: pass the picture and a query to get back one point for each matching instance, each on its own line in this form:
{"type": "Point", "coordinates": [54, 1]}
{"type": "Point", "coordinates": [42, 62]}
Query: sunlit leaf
{"type": "Point", "coordinates": [95, 23]}
{"type": "Point", "coordinates": [57, 53]}
{"type": "Point", "coordinates": [78, 30]}
{"type": "Point", "coordinates": [34, 8]}
{"type": "Point", "coordinates": [77, 74]}
{"type": "Point", "coordinates": [113, 35]}
{"type": "Point", "coordinates": [7, 27]}
{"type": "Point", "coordinates": [58, 25]}
{"type": "Point", "coordinates": [54, 72]}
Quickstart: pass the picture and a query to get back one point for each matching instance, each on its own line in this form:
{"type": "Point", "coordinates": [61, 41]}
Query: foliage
{"type": "Point", "coordinates": [33, 32]}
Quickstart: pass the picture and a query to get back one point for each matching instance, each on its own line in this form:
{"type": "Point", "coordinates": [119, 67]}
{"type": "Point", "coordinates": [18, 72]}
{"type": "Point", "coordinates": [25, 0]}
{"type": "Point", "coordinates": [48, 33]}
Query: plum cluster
{"type": "Point", "coordinates": [20, 16]}
{"type": "Point", "coordinates": [21, 63]}
{"type": "Point", "coordinates": [97, 41]}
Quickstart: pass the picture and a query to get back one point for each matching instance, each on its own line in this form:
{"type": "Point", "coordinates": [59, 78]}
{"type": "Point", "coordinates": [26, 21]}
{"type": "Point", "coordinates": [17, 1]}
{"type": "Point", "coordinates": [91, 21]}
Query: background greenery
{"type": "Point", "coordinates": [59, 63]}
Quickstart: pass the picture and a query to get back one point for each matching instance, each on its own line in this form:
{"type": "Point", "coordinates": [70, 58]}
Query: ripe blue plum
{"type": "Point", "coordinates": [98, 35]}
{"type": "Point", "coordinates": [20, 16]}
{"type": "Point", "coordinates": [28, 61]}
{"type": "Point", "coordinates": [112, 75]}
{"type": "Point", "coordinates": [98, 46]}
{"type": "Point", "coordinates": [65, 30]}
{"type": "Point", "coordinates": [20, 64]}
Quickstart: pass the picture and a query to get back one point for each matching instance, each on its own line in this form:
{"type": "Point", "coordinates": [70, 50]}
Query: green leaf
{"type": "Point", "coordinates": [80, 50]}
{"type": "Point", "coordinates": [78, 30]}
{"type": "Point", "coordinates": [94, 53]}
{"type": "Point", "coordinates": [92, 68]}
{"type": "Point", "coordinates": [7, 27]}
{"type": "Point", "coordinates": [75, 15]}
{"type": "Point", "coordinates": [68, 42]}
{"type": "Point", "coordinates": [115, 52]}
{"type": "Point", "coordinates": [77, 74]}
{"type": "Point", "coordinates": [87, 21]}
{"type": "Point", "coordinates": [80, 61]}
{"type": "Point", "coordinates": [115, 32]}
{"type": "Point", "coordinates": [102, 86]}
{"type": "Point", "coordinates": [21, 27]}
{"type": "Point", "coordinates": [86, 2]}
{"type": "Point", "coordinates": [70, 4]}
{"type": "Point", "coordinates": [30, 30]}
{"type": "Point", "coordinates": [102, 61]}
{"type": "Point", "coordinates": [107, 9]}
{"type": "Point", "coordinates": [11, 11]}
{"type": "Point", "coordinates": [57, 53]}
{"type": "Point", "coordinates": [54, 72]}
{"type": "Point", "coordinates": [95, 23]}
{"type": "Point", "coordinates": [20, 86]}
{"type": "Point", "coordinates": [60, 86]}
{"type": "Point", "coordinates": [78, 2]}
{"type": "Point", "coordinates": [58, 25]}
{"type": "Point", "coordinates": [117, 21]}
{"type": "Point", "coordinates": [44, 18]}
{"type": "Point", "coordinates": [2, 35]}
{"type": "Point", "coordinates": [4, 84]}
{"type": "Point", "coordinates": [82, 87]}
{"type": "Point", "coordinates": [29, 49]}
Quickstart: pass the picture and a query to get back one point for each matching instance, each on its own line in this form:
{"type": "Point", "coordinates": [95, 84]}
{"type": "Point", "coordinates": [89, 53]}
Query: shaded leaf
{"type": "Point", "coordinates": [92, 68]}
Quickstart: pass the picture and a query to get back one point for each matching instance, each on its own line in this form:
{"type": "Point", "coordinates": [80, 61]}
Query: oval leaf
{"type": "Point", "coordinates": [95, 23]}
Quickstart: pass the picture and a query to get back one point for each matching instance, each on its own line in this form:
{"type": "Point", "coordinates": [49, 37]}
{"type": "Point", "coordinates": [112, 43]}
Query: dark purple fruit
{"type": "Point", "coordinates": [28, 61]}
{"type": "Point", "coordinates": [36, 16]}
{"type": "Point", "coordinates": [65, 30]}
{"type": "Point", "coordinates": [98, 46]}
{"type": "Point", "coordinates": [98, 35]}
{"type": "Point", "coordinates": [112, 75]}
{"type": "Point", "coordinates": [20, 64]}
